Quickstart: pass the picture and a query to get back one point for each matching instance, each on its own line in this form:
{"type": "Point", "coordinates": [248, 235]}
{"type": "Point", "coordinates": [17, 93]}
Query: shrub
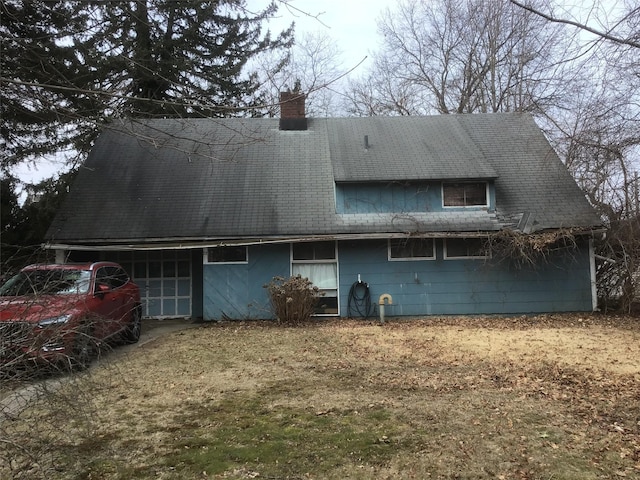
{"type": "Point", "coordinates": [293, 300]}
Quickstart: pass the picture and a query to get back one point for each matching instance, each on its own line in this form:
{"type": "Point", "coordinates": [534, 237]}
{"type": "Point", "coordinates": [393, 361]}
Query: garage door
{"type": "Point", "coordinates": [164, 278]}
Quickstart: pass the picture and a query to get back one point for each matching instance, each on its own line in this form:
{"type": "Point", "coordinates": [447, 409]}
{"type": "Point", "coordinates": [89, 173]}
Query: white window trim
{"type": "Point", "coordinates": [410, 259]}
{"type": "Point", "coordinates": [205, 257]}
{"type": "Point", "coordinates": [486, 196]}
{"type": "Point", "coordinates": [469, 257]}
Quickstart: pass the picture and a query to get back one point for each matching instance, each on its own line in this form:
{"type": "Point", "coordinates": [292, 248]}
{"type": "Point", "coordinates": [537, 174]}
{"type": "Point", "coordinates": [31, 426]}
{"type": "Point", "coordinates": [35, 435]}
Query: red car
{"type": "Point", "coordinates": [63, 313]}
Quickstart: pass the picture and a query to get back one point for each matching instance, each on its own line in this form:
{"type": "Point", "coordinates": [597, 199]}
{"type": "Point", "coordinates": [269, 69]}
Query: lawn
{"type": "Point", "coordinates": [545, 397]}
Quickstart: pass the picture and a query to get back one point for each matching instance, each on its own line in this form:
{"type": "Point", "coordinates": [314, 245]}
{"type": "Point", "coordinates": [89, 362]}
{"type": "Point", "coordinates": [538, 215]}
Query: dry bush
{"type": "Point", "coordinates": [38, 400]}
{"type": "Point", "coordinates": [49, 401]}
{"type": "Point", "coordinates": [617, 257]}
{"type": "Point", "coordinates": [40, 397]}
{"type": "Point", "coordinates": [618, 272]}
{"type": "Point", "coordinates": [293, 300]}
{"type": "Point", "coordinates": [529, 250]}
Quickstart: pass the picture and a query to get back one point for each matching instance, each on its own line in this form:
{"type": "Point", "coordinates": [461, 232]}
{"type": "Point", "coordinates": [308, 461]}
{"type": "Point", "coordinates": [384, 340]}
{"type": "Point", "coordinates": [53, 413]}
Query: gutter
{"type": "Point", "coordinates": [151, 244]}
{"type": "Point", "coordinates": [171, 244]}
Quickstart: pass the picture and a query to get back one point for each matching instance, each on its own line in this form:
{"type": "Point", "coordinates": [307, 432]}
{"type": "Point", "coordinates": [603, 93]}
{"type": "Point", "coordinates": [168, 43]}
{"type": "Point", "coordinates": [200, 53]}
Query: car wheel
{"type": "Point", "coordinates": [84, 349]}
{"type": "Point", "coordinates": [132, 333]}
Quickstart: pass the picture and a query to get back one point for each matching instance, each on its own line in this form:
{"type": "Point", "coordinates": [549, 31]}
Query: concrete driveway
{"type": "Point", "coordinates": [153, 328]}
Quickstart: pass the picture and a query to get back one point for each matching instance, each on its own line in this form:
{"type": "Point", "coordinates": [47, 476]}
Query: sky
{"type": "Point", "coordinates": [351, 23]}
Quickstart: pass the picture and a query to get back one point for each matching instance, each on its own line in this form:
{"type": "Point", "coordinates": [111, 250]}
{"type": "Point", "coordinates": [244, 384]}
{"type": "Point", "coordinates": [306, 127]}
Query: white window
{"type": "Point", "coordinates": [465, 248]}
{"type": "Point", "coordinates": [468, 194]}
{"type": "Point", "coordinates": [317, 261]}
{"type": "Point", "coordinates": [227, 254]}
{"type": "Point", "coordinates": [403, 249]}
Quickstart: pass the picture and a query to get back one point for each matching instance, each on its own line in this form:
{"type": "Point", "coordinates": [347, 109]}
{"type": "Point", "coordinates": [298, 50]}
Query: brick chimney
{"type": "Point", "coordinates": [292, 115]}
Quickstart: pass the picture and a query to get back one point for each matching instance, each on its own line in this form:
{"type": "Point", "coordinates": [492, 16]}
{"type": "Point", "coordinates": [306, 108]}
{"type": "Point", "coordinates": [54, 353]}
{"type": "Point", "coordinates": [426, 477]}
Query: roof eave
{"type": "Point", "coordinates": [193, 243]}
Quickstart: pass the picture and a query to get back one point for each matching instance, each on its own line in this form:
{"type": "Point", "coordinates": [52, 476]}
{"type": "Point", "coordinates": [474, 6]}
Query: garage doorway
{"type": "Point", "coordinates": [164, 278]}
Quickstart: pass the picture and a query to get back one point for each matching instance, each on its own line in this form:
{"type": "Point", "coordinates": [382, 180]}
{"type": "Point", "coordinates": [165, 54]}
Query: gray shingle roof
{"type": "Point", "coordinates": [244, 178]}
{"type": "Point", "coordinates": [405, 148]}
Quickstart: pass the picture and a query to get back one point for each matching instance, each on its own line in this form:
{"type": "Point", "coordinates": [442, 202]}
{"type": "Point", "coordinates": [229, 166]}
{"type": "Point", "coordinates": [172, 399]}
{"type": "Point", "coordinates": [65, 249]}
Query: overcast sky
{"type": "Point", "coordinates": [351, 23]}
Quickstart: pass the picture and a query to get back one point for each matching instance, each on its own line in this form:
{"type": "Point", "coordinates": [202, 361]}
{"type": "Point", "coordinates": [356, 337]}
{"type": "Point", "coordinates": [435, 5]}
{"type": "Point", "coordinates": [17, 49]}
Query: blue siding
{"type": "Point", "coordinates": [225, 291]}
{"type": "Point", "coordinates": [433, 287]}
{"type": "Point", "coordinates": [425, 287]}
{"type": "Point", "coordinates": [394, 197]}
{"type": "Point", "coordinates": [236, 290]}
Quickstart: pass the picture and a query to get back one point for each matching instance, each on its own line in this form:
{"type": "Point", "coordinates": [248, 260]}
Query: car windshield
{"type": "Point", "coordinates": [47, 282]}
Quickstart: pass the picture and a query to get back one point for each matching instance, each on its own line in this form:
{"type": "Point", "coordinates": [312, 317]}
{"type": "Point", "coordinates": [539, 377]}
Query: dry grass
{"type": "Point", "coordinates": [548, 397]}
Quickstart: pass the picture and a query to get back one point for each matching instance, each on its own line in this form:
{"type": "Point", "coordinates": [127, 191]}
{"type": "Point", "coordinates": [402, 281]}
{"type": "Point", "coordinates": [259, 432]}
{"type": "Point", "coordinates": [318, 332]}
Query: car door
{"type": "Point", "coordinates": [107, 305]}
{"type": "Point", "coordinates": [119, 279]}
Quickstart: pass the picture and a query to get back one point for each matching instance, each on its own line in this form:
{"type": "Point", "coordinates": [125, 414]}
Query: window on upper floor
{"type": "Point", "coordinates": [467, 194]}
{"type": "Point", "coordinates": [465, 248]}
{"type": "Point", "coordinates": [411, 249]}
{"type": "Point", "coordinates": [229, 254]}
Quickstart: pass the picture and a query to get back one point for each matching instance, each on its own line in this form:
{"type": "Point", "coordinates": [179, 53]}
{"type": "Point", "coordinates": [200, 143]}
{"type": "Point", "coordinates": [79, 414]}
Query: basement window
{"type": "Point", "coordinates": [464, 194]}
{"type": "Point", "coordinates": [402, 249]}
{"type": "Point", "coordinates": [467, 248]}
{"type": "Point", "coordinates": [229, 254]}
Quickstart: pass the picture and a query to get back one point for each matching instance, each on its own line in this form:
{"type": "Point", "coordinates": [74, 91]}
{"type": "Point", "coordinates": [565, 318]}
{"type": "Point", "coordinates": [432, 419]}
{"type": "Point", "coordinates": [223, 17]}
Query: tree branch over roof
{"type": "Point", "coordinates": [605, 35]}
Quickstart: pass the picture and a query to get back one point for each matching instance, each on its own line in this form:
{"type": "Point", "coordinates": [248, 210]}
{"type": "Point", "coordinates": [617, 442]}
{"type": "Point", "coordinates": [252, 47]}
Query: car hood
{"type": "Point", "coordinates": [33, 309]}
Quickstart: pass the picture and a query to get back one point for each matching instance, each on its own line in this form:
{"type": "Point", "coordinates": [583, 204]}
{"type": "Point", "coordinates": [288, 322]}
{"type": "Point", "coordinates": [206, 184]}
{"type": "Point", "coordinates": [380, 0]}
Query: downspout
{"type": "Point", "coordinates": [594, 285]}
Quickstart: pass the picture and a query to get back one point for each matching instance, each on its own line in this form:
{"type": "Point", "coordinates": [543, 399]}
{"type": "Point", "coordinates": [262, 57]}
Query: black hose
{"type": "Point", "coordinates": [360, 301]}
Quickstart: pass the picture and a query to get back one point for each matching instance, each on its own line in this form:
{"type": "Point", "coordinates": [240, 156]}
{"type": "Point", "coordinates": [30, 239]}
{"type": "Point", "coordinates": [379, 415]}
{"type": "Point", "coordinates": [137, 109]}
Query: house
{"type": "Point", "coordinates": [204, 212]}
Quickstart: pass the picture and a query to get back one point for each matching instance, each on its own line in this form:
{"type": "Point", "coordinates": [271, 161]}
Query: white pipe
{"type": "Point", "coordinates": [381, 302]}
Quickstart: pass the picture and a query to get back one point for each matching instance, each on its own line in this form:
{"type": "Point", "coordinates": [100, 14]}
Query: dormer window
{"type": "Point", "coordinates": [467, 194]}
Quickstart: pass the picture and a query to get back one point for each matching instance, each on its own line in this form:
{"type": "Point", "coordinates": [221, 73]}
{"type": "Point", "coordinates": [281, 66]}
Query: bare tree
{"type": "Point", "coordinates": [598, 133]}
{"type": "Point", "coordinates": [380, 92]}
{"type": "Point", "coordinates": [465, 57]}
{"type": "Point", "coordinates": [606, 34]}
{"type": "Point", "coordinates": [313, 67]}
{"type": "Point", "coordinates": [597, 125]}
